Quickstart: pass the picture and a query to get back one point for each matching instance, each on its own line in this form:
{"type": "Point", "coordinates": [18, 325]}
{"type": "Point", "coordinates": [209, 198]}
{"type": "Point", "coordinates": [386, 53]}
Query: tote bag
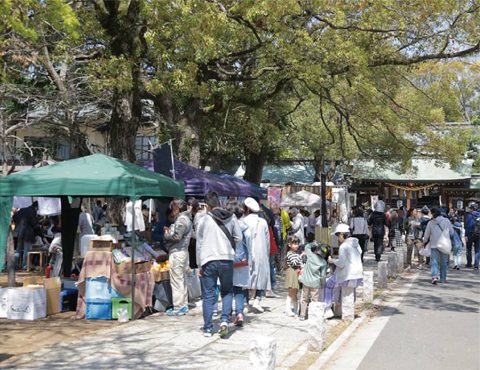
{"type": "Point", "coordinates": [444, 243]}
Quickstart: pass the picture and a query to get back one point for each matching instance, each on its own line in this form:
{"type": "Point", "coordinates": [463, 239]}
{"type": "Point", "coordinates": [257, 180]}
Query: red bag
{"type": "Point", "coordinates": [273, 244]}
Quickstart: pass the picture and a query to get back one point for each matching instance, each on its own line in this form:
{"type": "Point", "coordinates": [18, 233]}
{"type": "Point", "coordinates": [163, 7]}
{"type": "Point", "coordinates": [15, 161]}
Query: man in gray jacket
{"type": "Point", "coordinates": [217, 235]}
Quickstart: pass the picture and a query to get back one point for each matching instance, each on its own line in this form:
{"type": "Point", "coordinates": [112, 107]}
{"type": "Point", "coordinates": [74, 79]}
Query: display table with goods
{"type": "Point", "coordinates": [101, 281]}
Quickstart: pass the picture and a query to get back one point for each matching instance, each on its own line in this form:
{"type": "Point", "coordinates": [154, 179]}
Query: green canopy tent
{"type": "Point", "coordinates": [97, 175]}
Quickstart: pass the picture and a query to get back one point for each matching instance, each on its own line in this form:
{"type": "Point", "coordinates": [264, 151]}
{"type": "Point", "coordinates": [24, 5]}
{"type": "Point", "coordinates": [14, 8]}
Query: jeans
{"type": "Point", "coordinates": [476, 244]}
{"type": "Point", "coordinates": [378, 246]}
{"type": "Point", "coordinates": [212, 271]}
{"type": "Point", "coordinates": [25, 247]}
{"type": "Point", "coordinates": [259, 293]}
{"type": "Point", "coordinates": [241, 296]}
{"type": "Point", "coordinates": [438, 260]}
{"type": "Point", "coordinates": [273, 277]}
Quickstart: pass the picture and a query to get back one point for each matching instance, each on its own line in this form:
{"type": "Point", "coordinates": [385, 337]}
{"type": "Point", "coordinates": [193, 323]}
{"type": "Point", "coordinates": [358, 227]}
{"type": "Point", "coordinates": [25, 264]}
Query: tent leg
{"type": "Point", "coordinates": [133, 259]}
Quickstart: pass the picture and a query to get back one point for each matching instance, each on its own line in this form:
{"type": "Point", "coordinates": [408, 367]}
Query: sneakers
{"type": "Point", "coordinates": [302, 318]}
{"type": "Point", "coordinates": [257, 307]}
{"type": "Point", "coordinates": [215, 312]}
{"type": "Point", "coordinates": [207, 334]}
{"type": "Point", "coordinates": [289, 313]}
{"type": "Point", "coordinates": [239, 320]}
{"type": "Point", "coordinates": [434, 281]}
{"type": "Point", "coordinates": [181, 312]}
{"type": "Point", "coordinates": [223, 329]}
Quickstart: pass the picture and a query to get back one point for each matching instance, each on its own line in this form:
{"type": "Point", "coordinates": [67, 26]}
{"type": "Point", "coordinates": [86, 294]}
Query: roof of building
{"type": "Point", "coordinates": [425, 170]}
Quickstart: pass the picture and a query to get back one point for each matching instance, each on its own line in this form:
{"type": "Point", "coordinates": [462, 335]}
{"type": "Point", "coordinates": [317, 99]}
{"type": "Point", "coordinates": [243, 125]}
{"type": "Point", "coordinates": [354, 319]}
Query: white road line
{"type": "Point", "coordinates": [356, 348]}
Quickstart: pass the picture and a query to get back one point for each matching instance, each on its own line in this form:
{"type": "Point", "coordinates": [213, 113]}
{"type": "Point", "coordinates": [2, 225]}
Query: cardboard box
{"type": "Point", "coordinates": [27, 303]}
{"type": "Point", "coordinates": [53, 287]}
{"type": "Point", "coordinates": [3, 303]}
{"type": "Point", "coordinates": [126, 267]}
{"type": "Point", "coordinates": [32, 280]}
{"type": "Point", "coordinates": [101, 245]}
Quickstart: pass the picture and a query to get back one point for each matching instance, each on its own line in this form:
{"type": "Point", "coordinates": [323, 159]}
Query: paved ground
{"type": "Point", "coordinates": [162, 342]}
{"type": "Point", "coordinates": [430, 328]}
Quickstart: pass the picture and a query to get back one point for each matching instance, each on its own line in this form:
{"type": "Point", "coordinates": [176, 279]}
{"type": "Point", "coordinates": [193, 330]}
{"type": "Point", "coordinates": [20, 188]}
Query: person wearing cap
{"type": "Point", "coordinates": [438, 260]}
{"type": "Point", "coordinates": [472, 240]}
{"type": "Point", "coordinates": [260, 267]}
{"type": "Point", "coordinates": [457, 245]}
{"type": "Point", "coordinates": [348, 266]}
{"type": "Point", "coordinates": [298, 227]}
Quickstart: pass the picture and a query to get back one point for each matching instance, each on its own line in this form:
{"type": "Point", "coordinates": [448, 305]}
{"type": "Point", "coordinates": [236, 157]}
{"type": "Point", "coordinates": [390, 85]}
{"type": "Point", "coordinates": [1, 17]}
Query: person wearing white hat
{"type": "Point", "coordinates": [298, 226]}
{"type": "Point", "coordinates": [260, 268]}
{"type": "Point", "coordinates": [348, 266]}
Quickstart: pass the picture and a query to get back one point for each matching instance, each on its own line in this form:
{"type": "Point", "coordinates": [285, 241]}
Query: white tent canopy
{"type": "Point", "coordinates": [302, 199]}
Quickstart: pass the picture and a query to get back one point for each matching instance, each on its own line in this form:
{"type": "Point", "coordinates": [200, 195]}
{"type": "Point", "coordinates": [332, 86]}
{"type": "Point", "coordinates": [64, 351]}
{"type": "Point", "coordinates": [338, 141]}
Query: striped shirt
{"type": "Point", "coordinates": [293, 259]}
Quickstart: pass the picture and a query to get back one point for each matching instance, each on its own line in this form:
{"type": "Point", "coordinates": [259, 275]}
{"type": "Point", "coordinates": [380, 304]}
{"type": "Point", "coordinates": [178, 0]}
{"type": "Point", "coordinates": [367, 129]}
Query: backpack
{"type": "Point", "coordinates": [475, 232]}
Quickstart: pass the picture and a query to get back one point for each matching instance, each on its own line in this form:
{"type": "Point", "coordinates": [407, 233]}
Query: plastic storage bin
{"type": "Point", "coordinates": [98, 288]}
{"type": "Point", "coordinates": [99, 309]}
{"type": "Point", "coordinates": [119, 303]}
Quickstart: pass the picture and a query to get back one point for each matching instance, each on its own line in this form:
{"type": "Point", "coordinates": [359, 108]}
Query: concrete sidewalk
{"type": "Point", "coordinates": [421, 327]}
{"type": "Point", "coordinates": [162, 342]}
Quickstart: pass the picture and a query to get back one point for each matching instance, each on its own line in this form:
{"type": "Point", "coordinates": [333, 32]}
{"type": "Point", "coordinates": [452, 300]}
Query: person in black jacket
{"type": "Point", "coordinates": [378, 220]}
{"type": "Point", "coordinates": [25, 222]}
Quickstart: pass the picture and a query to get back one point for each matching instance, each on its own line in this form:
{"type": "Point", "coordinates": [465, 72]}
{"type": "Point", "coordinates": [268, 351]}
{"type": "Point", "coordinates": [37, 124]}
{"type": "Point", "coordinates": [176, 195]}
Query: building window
{"type": "Point", "coordinates": [57, 149]}
{"type": "Point", "coordinates": [143, 147]}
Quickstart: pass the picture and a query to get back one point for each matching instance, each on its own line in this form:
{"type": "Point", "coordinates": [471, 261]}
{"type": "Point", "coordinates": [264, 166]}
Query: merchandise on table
{"type": "Point", "coordinates": [160, 271]}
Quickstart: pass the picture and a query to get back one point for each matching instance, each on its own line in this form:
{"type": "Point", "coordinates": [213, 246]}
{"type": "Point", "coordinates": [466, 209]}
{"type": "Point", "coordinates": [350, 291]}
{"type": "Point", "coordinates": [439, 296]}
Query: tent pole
{"type": "Point", "coordinates": [173, 163]}
{"type": "Point", "coordinates": [133, 258]}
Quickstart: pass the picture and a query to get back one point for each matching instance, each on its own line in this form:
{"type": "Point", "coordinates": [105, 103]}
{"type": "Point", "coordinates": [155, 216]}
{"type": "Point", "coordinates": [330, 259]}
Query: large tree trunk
{"type": "Point", "coordinates": [320, 175]}
{"type": "Point", "coordinates": [189, 123]}
{"type": "Point", "coordinates": [78, 144]}
{"type": "Point", "coordinates": [254, 165]}
{"type": "Point", "coordinates": [11, 259]}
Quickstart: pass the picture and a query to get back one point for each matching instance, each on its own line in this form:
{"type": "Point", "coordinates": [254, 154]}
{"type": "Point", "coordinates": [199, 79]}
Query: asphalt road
{"type": "Point", "coordinates": [433, 328]}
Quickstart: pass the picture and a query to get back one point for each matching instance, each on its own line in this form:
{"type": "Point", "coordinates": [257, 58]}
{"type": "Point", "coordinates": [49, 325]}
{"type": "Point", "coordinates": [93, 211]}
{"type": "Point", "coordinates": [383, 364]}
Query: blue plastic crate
{"type": "Point", "coordinates": [98, 288]}
{"type": "Point", "coordinates": [99, 309]}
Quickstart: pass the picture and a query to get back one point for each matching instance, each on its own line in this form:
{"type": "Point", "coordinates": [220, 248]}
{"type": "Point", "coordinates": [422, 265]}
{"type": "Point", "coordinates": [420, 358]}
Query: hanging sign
{"type": "Point", "coordinates": [459, 204]}
{"type": "Point", "coordinates": [399, 203]}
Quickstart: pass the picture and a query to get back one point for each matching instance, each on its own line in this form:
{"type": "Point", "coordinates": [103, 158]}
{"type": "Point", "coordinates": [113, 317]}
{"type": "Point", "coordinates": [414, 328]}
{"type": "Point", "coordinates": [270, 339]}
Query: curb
{"type": "Point", "coordinates": [347, 333]}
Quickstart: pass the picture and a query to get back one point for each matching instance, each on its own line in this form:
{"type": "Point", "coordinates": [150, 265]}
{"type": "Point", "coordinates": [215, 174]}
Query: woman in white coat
{"type": "Point", "coordinates": [260, 267]}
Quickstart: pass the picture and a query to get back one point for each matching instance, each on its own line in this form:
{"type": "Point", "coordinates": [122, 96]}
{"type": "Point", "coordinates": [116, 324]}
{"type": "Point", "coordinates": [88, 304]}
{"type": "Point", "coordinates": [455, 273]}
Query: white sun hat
{"type": "Point", "coordinates": [252, 205]}
{"type": "Point", "coordinates": [342, 228]}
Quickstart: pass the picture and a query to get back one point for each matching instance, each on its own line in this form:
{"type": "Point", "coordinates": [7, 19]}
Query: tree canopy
{"type": "Point", "coordinates": [257, 80]}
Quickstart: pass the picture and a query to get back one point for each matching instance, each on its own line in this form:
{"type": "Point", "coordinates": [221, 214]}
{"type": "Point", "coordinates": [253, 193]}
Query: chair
{"type": "Point", "coordinates": [43, 258]}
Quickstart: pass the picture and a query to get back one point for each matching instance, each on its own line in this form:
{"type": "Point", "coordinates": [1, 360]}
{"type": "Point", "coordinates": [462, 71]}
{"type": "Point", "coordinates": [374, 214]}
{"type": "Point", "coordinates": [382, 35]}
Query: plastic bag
{"type": "Point", "coordinates": [193, 285]}
{"type": "Point", "coordinates": [444, 243]}
{"type": "Point", "coordinates": [122, 314]}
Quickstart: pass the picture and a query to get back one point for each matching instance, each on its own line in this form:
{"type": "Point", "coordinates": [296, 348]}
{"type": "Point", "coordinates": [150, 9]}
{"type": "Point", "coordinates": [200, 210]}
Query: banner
{"type": "Point", "coordinates": [274, 196]}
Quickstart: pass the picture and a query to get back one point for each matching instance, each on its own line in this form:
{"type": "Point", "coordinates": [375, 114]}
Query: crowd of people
{"type": "Point", "coordinates": [239, 248]}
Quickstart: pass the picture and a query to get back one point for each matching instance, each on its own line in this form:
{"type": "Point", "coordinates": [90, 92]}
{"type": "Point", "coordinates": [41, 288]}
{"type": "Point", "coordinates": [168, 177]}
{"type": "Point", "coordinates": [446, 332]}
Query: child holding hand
{"type": "Point", "coordinates": [294, 265]}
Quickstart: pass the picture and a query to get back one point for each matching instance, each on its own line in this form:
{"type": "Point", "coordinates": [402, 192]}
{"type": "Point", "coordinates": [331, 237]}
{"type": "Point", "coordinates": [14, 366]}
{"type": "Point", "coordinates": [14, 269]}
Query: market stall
{"type": "Point", "coordinates": [97, 175]}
